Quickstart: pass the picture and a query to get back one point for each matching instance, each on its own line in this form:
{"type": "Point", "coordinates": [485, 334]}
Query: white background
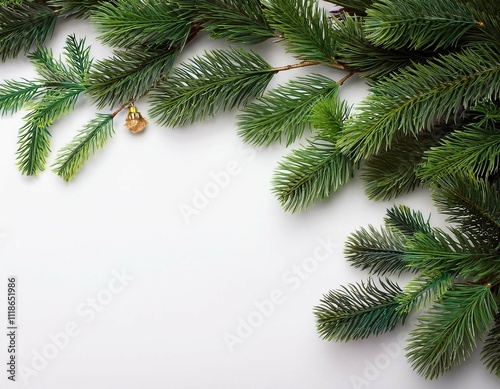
{"type": "Point", "coordinates": [193, 283]}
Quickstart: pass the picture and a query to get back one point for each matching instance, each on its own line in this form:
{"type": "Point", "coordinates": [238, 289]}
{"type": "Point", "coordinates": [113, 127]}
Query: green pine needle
{"type": "Point", "coordinates": [311, 173]}
{"type": "Point", "coordinates": [419, 97]}
{"type": "Point", "coordinates": [424, 290]}
{"type": "Point", "coordinates": [318, 169]}
{"type": "Point", "coordinates": [378, 251]}
{"type": "Point", "coordinates": [204, 86]}
{"type": "Point", "coordinates": [447, 334]}
{"type": "Point", "coordinates": [128, 75]}
{"type": "Point", "coordinates": [284, 112]}
{"type": "Point", "coordinates": [149, 23]}
{"type": "Point", "coordinates": [307, 29]}
{"type": "Point", "coordinates": [473, 204]}
{"type": "Point", "coordinates": [418, 24]}
{"type": "Point", "coordinates": [75, 8]}
{"type": "Point", "coordinates": [474, 149]}
{"type": "Point", "coordinates": [407, 222]}
{"type": "Point", "coordinates": [357, 52]}
{"type": "Point", "coordinates": [491, 352]}
{"type": "Point", "coordinates": [91, 138]}
{"type": "Point", "coordinates": [393, 172]}
{"type": "Point", "coordinates": [34, 137]}
{"type": "Point", "coordinates": [14, 95]}
{"type": "Point", "coordinates": [234, 20]}
{"type": "Point", "coordinates": [24, 25]}
{"type": "Point", "coordinates": [358, 311]}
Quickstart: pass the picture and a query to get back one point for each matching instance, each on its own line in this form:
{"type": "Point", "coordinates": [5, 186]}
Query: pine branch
{"type": "Point", "coordinates": [405, 103]}
{"type": "Point", "coordinates": [358, 311]}
{"type": "Point", "coordinates": [220, 80]}
{"type": "Point", "coordinates": [309, 174]}
{"type": "Point", "coordinates": [357, 6]}
{"type": "Point", "coordinates": [93, 137]}
{"type": "Point", "coordinates": [402, 219]}
{"type": "Point", "coordinates": [378, 251]}
{"type": "Point", "coordinates": [474, 149]}
{"type": "Point", "coordinates": [491, 351]}
{"type": "Point", "coordinates": [446, 335]}
{"type": "Point", "coordinates": [75, 8]}
{"type": "Point", "coordinates": [34, 137]}
{"type": "Point", "coordinates": [14, 95]}
{"type": "Point", "coordinates": [357, 52]}
{"type": "Point", "coordinates": [129, 74]}
{"type": "Point", "coordinates": [424, 290]}
{"type": "Point", "coordinates": [307, 30]}
{"type": "Point", "coordinates": [24, 25]}
{"type": "Point", "coordinates": [237, 21]}
{"type": "Point", "coordinates": [318, 169]}
{"type": "Point", "coordinates": [393, 172]}
{"type": "Point", "coordinates": [456, 253]}
{"type": "Point", "coordinates": [284, 112]}
{"type": "Point", "coordinates": [78, 59]}
{"type": "Point", "coordinates": [473, 204]}
{"type": "Point", "coordinates": [418, 24]}
{"type": "Point", "coordinates": [148, 23]}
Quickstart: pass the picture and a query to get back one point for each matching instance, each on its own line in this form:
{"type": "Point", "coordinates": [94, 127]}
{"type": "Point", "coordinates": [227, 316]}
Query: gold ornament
{"type": "Point", "coordinates": [135, 121]}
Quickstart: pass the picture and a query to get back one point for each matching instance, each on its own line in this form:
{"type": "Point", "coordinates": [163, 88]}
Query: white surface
{"type": "Point", "coordinates": [192, 283]}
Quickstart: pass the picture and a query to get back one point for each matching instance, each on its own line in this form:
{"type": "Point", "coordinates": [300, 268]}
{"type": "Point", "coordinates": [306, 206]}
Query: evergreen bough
{"type": "Point", "coordinates": [456, 287]}
{"type": "Point", "coordinates": [432, 112]}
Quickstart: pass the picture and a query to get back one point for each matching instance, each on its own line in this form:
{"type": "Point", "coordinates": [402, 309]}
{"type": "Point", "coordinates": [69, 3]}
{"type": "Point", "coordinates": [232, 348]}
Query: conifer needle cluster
{"type": "Point", "coordinates": [432, 112]}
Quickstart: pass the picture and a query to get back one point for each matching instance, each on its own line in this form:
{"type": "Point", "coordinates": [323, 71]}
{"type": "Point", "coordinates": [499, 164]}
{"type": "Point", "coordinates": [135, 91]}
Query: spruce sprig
{"type": "Point", "coordinates": [283, 113]}
{"type": "Point", "coordinates": [307, 30]}
{"type": "Point", "coordinates": [23, 26]}
{"type": "Point", "coordinates": [317, 169]}
{"type": "Point", "coordinates": [219, 80]}
{"type": "Point", "coordinates": [457, 280]}
{"type": "Point", "coordinates": [149, 23]}
{"type": "Point", "coordinates": [419, 96]}
{"type": "Point", "coordinates": [92, 137]}
{"type": "Point", "coordinates": [418, 24]}
{"type": "Point", "coordinates": [236, 21]}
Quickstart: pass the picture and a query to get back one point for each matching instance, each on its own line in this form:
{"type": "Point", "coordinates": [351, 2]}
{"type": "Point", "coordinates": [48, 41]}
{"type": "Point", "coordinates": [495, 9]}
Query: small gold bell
{"type": "Point", "coordinates": [135, 122]}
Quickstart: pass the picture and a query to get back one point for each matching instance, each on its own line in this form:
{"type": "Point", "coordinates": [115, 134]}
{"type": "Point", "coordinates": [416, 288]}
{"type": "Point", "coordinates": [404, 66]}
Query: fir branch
{"type": "Point", "coordinates": [14, 95]}
{"type": "Point", "coordinates": [220, 80]}
{"type": "Point", "coordinates": [237, 21]}
{"type": "Point", "coordinates": [405, 103]}
{"type": "Point", "coordinates": [424, 290]}
{"type": "Point", "coordinates": [473, 204]}
{"type": "Point", "coordinates": [446, 335]}
{"type": "Point", "coordinates": [129, 74]}
{"type": "Point", "coordinates": [307, 30]}
{"type": "Point", "coordinates": [92, 137]}
{"type": "Point", "coordinates": [75, 8]}
{"type": "Point", "coordinates": [357, 6]}
{"type": "Point", "coordinates": [456, 253]}
{"type": "Point", "coordinates": [474, 149]}
{"type": "Point", "coordinates": [78, 59]}
{"type": "Point", "coordinates": [149, 23]}
{"type": "Point", "coordinates": [358, 311]}
{"type": "Point", "coordinates": [357, 52]}
{"type": "Point", "coordinates": [311, 173]}
{"type": "Point", "coordinates": [418, 24]}
{"type": "Point", "coordinates": [393, 172]}
{"type": "Point", "coordinates": [24, 25]}
{"type": "Point", "coordinates": [34, 137]}
{"type": "Point", "coordinates": [378, 251]}
{"type": "Point", "coordinates": [407, 222]}
{"type": "Point", "coordinates": [51, 69]}
{"type": "Point", "coordinates": [490, 354]}
{"type": "Point", "coordinates": [318, 169]}
{"type": "Point", "coordinates": [284, 112]}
